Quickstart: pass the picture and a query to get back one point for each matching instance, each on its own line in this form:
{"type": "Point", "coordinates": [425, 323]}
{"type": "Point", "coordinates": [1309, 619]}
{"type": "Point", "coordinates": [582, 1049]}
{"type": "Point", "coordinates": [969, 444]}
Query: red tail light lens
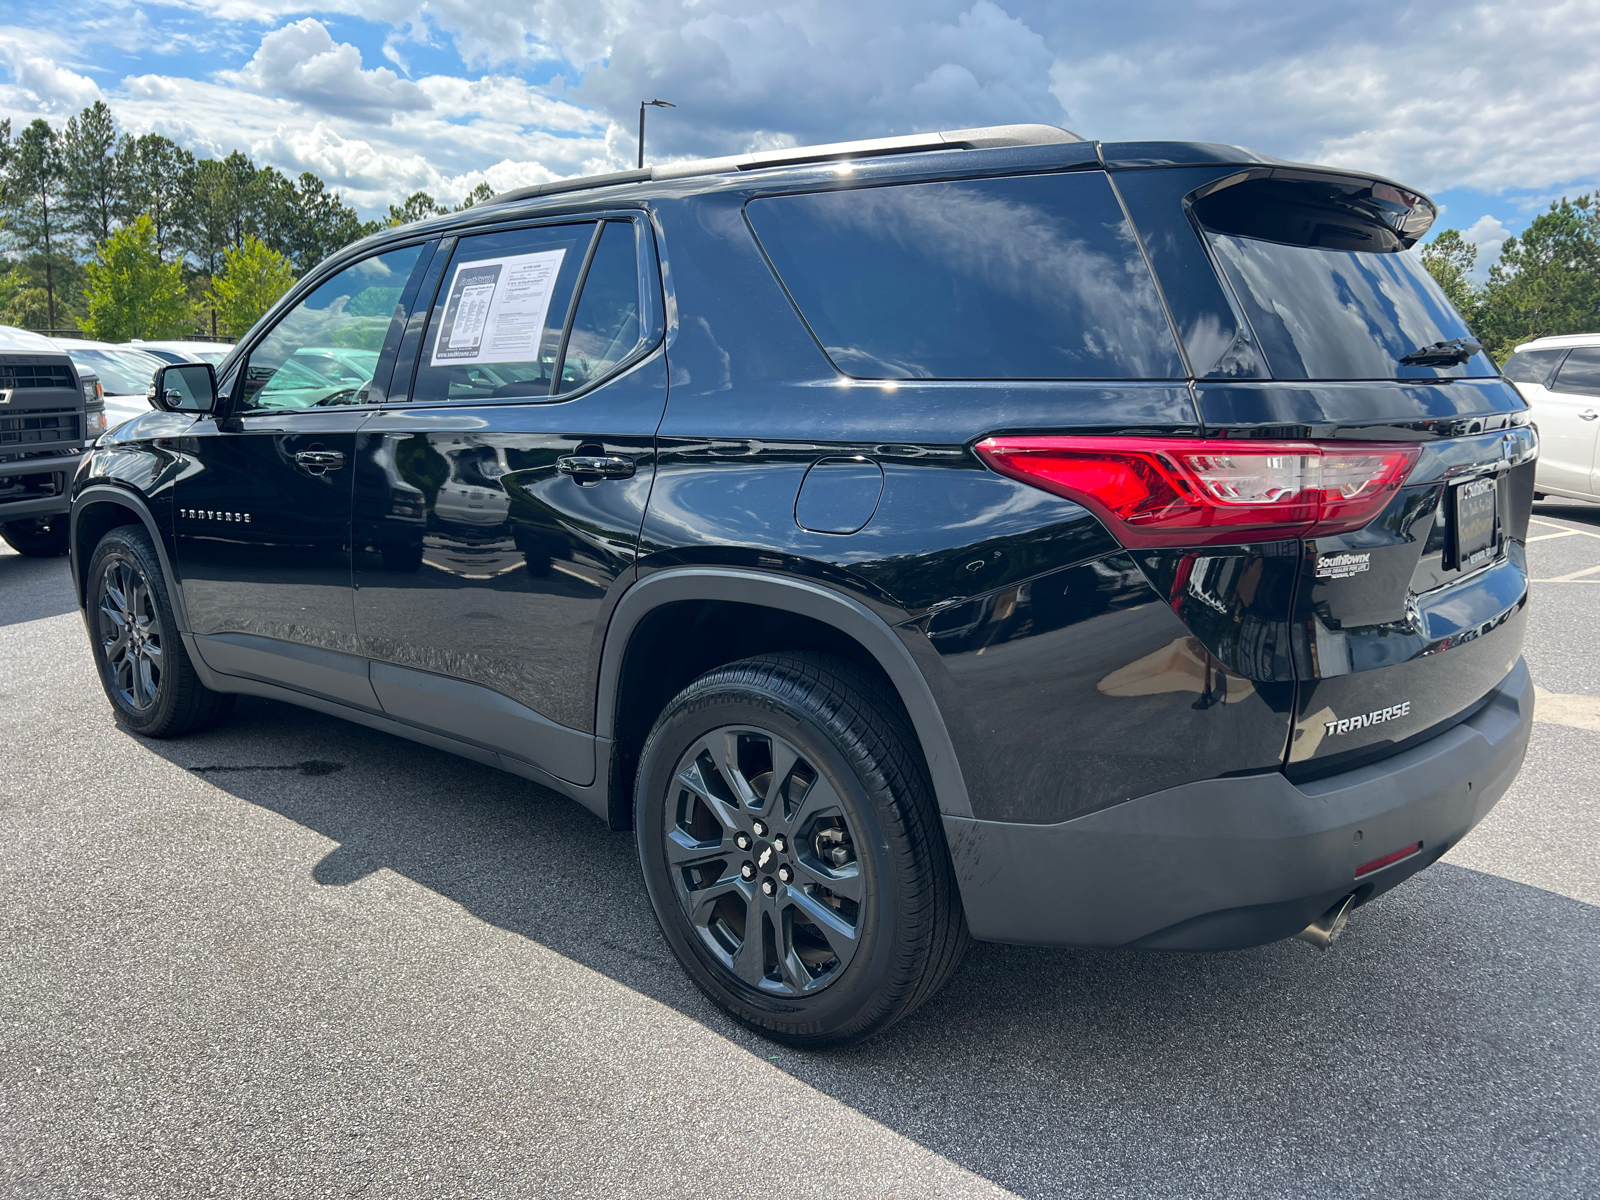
{"type": "Point", "coordinates": [1388, 860]}
{"type": "Point", "coordinates": [1206, 491]}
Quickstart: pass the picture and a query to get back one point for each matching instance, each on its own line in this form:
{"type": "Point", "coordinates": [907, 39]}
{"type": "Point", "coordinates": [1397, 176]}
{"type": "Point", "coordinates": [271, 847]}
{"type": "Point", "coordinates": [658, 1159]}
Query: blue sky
{"type": "Point", "coordinates": [1492, 108]}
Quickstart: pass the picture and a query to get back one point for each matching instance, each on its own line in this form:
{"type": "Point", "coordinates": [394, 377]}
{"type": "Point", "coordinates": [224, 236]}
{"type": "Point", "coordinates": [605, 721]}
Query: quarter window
{"type": "Point", "coordinates": [1580, 374]}
{"type": "Point", "coordinates": [606, 328]}
{"type": "Point", "coordinates": [323, 352]}
{"type": "Point", "coordinates": [1035, 277]}
{"type": "Point", "coordinates": [1533, 366]}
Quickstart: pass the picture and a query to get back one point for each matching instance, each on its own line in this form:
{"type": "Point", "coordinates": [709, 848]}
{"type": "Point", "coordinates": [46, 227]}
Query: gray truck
{"type": "Point", "coordinates": [49, 414]}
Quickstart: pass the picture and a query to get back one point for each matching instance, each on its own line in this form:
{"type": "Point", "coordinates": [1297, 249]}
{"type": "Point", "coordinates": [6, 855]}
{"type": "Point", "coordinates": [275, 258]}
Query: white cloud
{"type": "Point", "coordinates": [39, 83]}
{"type": "Point", "coordinates": [1488, 234]}
{"type": "Point", "coordinates": [302, 62]}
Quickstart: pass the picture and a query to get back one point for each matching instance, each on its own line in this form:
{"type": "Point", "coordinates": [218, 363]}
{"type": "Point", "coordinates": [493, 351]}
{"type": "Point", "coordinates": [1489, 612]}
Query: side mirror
{"type": "Point", "coordinates": [184, 387]}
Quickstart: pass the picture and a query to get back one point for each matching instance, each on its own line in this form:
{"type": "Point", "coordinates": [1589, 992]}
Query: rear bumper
{"type": "Point", "coordinates": [1227, 863]}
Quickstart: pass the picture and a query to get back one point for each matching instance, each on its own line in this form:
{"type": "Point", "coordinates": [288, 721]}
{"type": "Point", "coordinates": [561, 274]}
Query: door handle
{"type": "Point", "coordinates": [1588, 414]}
{"type": "Point", "coordinates": [318, 461]}
{"type": "Point", "coordinates": [606, 466]}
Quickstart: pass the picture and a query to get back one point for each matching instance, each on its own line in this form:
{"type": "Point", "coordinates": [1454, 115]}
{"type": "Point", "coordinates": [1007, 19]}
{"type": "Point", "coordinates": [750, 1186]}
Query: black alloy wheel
{"type": "Point", "coordinates": [133, 636]}
{"type": "Point", "coordinates": [37, 537]}
{"type": "Point", "coordinates": [793, 852]}
{"type": "Point", "coordinates": [763, 860]}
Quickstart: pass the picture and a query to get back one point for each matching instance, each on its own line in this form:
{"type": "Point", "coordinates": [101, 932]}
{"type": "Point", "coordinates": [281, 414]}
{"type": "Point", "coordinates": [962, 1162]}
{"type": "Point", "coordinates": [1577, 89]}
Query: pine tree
{"type": "Point", "coordinates": [35, 195]}
{"type": "Point", "coordinates": [92, 178]}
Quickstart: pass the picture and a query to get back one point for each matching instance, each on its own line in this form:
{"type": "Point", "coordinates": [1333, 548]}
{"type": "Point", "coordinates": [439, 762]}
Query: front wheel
{"type": "Point", "coordinates": [143, 666]}
{"type": "Point", "coordinates": [792, 850]}
{"type": "Point", "coordinates": [37, 537]}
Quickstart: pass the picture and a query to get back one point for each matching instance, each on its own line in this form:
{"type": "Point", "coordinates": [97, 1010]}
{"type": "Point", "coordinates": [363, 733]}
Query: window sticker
{"type": "Point", "coordinates": [496, 309]}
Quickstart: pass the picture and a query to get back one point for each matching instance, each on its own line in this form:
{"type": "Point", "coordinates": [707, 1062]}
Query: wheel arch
{"type": "Point", "coordinates": [96, 511]}
{"type": "Point", "coordinates": [663, 606]}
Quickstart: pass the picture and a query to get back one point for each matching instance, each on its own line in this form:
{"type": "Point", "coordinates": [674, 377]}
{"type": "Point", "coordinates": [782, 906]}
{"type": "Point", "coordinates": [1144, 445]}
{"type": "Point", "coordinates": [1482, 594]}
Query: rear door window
{"type": "Point", "coordinates": [495, 331]}
{"type": "Point", "coordinates": [1580, 374]}
{"type": "Point", "coordinates": [1034, 277]}
{"type": "Point", "coordinates": [606, 325]}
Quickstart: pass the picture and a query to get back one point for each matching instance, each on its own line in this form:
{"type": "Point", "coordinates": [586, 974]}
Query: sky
{"type": "Point", "coordinates": [1493, 109]}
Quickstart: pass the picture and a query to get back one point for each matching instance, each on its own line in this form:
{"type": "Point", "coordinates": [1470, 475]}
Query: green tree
{"type": "Point", "coordinates": [34, 216]}
{"type": "Point", "coordinates": [159, 179]}
{"type": "Point", "coordinates": [91, 171]}
{"type": "Point", "coordinates": [324, 223]}
{"type": "Point", "coordinates": [417, 206]}
{"type": "Point", "coordinates": [253, 277]}
{"type": "Point", "coordinates": [476, 196]}
{"type": "Point", "coordinates": [1450, 259]}
{"type": "Point", "coordinates": [1547, 280]}
{"type": "Point", "coordinates": [131, 292]}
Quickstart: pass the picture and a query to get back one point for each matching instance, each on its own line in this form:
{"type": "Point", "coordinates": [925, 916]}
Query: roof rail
{"type": "Point", "coordinates": [915, 143]}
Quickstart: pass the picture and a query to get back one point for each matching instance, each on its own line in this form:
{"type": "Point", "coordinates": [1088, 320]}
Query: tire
{"type": "Point", "coordinates": [38, 537]}
{"type": "Point", "coordinates": [148, 677]}
{"type": "Point", "coordinates": [838, 855]}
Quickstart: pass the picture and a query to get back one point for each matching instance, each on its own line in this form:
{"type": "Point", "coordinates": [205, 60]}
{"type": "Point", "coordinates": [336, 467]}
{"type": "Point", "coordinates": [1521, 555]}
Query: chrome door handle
{"type": "Point", "coordinates": [605, 466]}
{"type": "Point", "coordinates": [320, 462]}
{"type": "Point", "coordinates": [1588, 414]}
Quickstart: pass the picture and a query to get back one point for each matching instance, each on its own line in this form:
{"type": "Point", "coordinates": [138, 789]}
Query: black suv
{"type": "Point", "coordinates": [987, 534]}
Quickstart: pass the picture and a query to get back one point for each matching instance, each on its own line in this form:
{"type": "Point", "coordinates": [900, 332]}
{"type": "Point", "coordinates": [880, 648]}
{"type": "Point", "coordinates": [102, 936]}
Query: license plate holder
{"type": "Point", "coordinates": [1475, 522]}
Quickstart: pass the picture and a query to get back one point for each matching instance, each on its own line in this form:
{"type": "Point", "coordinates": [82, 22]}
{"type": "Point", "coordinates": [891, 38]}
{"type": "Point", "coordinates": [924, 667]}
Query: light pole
{"type": "Point", "coordinates": [644, 104]}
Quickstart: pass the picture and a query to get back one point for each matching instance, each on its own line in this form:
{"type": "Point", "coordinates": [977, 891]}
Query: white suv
{"type": "Point", "coordinates": [1560, 379]}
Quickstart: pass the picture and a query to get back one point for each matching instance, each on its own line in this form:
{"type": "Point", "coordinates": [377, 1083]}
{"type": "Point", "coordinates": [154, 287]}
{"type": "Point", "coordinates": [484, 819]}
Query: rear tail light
{"type": "Point", "coordinates": [1206, 491]}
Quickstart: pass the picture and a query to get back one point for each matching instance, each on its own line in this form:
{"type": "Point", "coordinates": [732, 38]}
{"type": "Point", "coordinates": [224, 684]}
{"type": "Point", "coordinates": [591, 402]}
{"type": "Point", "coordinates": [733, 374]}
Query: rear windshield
{"type": "Point", "coordinates": [1319, 308]}
{"type": "Point", "coordinates": [1036, 277]}
{"type": "Point", "coordinates": [1533, 366]}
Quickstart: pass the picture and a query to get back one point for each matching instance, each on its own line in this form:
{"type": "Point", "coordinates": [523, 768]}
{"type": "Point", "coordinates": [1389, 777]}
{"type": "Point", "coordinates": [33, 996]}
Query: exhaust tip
{"type": "Point", "coordinates": [1325, 930]}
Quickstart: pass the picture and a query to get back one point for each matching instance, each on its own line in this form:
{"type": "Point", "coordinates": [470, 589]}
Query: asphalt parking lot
{"type": "Point", "coordinates": [294, 957]}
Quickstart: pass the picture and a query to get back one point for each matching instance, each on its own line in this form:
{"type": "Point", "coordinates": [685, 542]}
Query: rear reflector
{"type": "Point", "coordinates": [1388, 860]}
{"type": "Point", "coordinates": [1206, 491]}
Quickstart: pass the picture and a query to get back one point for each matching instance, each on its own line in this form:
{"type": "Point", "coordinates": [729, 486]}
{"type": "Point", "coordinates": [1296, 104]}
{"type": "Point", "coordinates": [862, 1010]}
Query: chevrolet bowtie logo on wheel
{"type": "Point", "coordinates": [207, 514]}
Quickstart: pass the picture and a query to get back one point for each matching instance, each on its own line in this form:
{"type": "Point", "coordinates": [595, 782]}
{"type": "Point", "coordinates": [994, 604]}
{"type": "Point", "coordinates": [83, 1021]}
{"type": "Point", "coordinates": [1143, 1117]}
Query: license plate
{"type": "Point", "coordinates": [1476, 523]}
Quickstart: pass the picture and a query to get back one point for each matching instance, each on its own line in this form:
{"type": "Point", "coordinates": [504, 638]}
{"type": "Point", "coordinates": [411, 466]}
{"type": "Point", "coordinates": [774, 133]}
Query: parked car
{"type": "Point", "coordinates": [181, 351]}
{"type": "Point", "coordinates": [1560, 379]}
{"type": "Point", "coordinates": [989, 534]}
{"type": "Point", "coordinates": [125, 375]}
{"type": "Point", "coordinates": [50, 410]}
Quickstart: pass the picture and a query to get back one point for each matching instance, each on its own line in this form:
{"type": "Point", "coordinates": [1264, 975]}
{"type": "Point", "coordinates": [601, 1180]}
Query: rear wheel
{"type": "Point", "coordinates": [37, 537]}
{"type": "Point", "coordinates": [792, 849]}
{"type": "Point", "coordinates": [143, 666]}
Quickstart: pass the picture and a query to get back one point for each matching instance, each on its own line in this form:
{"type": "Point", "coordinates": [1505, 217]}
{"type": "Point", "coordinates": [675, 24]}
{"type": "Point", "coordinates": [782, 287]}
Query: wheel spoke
{"type": "Point", "coordinates": [703, 900]}
{"type": "Point", "coordinates": [694, 780]}
{"type": "Point", "coordinates": [846, 883]}
{"type": "Point", "coordinates": [750, 960]}
{"type": "Point", "coordinates": [684, 851]}
{"type": "Point", "coordinates": [819, 798]}
{"type": "Point", "coordinates": [840, 934]}
{"type": "Point", "coordinates": [727, 761]}
{"type": "Point", "coordinates": [784, 756]}
{"type": "Point", "coordinates": [789, 960]}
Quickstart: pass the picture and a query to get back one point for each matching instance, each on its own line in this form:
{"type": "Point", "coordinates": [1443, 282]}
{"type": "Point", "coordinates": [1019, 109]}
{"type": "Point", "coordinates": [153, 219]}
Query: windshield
{"type": "Point", "coordinates": [121, 372]}
{"type": "Point", "coordinates": [214, 357]}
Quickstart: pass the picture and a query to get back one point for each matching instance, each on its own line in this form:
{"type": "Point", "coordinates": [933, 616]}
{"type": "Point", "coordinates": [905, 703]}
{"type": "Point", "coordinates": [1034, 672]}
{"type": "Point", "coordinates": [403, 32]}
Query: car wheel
{"type": "Point", "coordinates": [40, 537]}
{"type": "Point", "coordinates": [793, 852]}
{"type": "Point", "coordinates": [143, 666]}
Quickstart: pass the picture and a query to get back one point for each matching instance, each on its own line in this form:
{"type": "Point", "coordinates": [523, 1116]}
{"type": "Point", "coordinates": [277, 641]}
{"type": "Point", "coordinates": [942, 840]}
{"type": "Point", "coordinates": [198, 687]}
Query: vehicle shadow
{"type": "Point", "coordinates": [31, 588]}
{"type": "Point", "coordinates": [1448, 1045]}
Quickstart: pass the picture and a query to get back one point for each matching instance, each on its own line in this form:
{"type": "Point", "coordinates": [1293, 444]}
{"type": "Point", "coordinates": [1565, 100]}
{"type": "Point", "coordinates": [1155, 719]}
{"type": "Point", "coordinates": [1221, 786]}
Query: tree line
{"type": "Point", "coordinates": [1546, 282]}
{"type": "Point", "coordinates": [120, 236]}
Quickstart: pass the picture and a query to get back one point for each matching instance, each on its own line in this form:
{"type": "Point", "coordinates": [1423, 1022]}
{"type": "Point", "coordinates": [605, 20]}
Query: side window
{"type": "Point", "coordinates": [606, 327]}
{"type": "Point", "coordinates": [495, 330]}
{"type": "Point", "coordinates": [324, 350]}
{"type": "Point", "coordinates": [1033, 277]}
{"type": "Point", "coordinates": [1532, 366]}
{"type": "Point", "coordinates": [1580, 374]}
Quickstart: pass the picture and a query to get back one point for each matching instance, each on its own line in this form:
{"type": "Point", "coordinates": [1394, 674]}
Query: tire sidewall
{"type": "Point", "coordinates": [834, 1009]}
{"type": "Point", "coordinates": [115, 548]}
